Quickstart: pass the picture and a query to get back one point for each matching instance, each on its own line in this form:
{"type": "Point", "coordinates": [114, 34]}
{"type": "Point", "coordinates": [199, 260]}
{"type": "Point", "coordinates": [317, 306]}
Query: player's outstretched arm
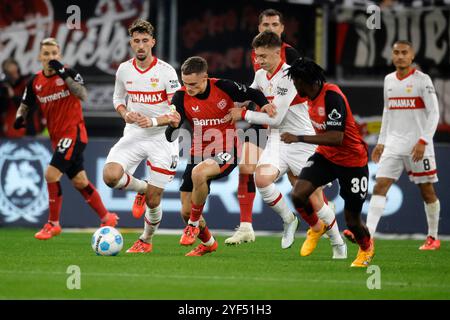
{"type": "Point", "coordinates": [21, 115]}
{"type": "Point", "coordinates": [327, 138]}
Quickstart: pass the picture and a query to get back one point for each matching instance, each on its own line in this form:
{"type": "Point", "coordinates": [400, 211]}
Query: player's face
{"type": "Point", "coordinates": [271, 23]}
{"type": "Point", "coordinates": [301, 88]}
{"type": "Point", "coordinates": [402, 55]}
{"type": "Point", "coordinates": [142, 44]}
{"type": "Point", "coordinates": [195, 83]}
{"type": "Point", "coordinates": [47, 53]}
{"type": "Point", "coordinates": [268, 58]}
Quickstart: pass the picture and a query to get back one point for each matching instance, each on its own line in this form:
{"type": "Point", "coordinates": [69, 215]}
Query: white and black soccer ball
{"type": "Point", "coordinates": [107, 241]}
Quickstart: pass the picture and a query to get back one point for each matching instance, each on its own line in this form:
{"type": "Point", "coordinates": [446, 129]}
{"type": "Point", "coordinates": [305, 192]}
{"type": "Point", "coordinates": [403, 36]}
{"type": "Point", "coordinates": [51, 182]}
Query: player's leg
{"type": "Point", "coordinates": [424, 174]}
{"type": "Point", "coordinates": [353, 183]}
{"type": "Point", "coordinates": [52, 177]}
{"type": "Point", "coordinates": [246, 194]}
{"type": "Point", "coordinates": [389, 170]}
{"type": "Point", "coordinates": [327, 215]}
{"type": "Point", "coordinates": [266, 174]}
{"type": "Point", "coordinates": [122, 161]}
{"type": "Point", "coordinates": [311, 177]}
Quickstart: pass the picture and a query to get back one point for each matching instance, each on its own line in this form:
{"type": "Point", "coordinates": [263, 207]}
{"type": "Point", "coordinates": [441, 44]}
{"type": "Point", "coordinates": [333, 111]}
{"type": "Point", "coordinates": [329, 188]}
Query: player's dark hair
{"type": "Point", "coordinates": [406, 42]}
{"type": "Point", "coordinates": [141, 26]}
{"type": "Point", "coordinates": [307, 71]}
{"type": "Point", "coordinates": [268, 39]}
{"type": "Point", "coordinates": [271, 13]}
{"type": "Point", "coordinates": [194, 64]}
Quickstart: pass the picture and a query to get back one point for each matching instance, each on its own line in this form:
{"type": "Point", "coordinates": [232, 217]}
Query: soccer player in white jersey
{"type": "Point", "coordinates": [149, 84]}
{"type": "Point", "coordinates": [279, 157]}
{"type": "Point", "coordinates": [410, 119]}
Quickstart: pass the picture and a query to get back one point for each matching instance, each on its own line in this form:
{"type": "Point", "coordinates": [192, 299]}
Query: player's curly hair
{"type": "Point", "coordinates": [141, 26]}
{"type": "Point", "coordinates": [306, 70]}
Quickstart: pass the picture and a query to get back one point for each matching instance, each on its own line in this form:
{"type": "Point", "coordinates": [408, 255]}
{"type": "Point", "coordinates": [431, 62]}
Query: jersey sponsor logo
{"type": "Point", "coordinates": [38, 87]}
{"type": "Point", "coordinates": [196, 109]}
{"type": "Point", "coordinates": [334, 115]}
{"type": "Point", "coordinates": [147, 97]}
{"type": "Point", "coordinates": [53, 97]}
{"type": "Point", "coordinates": [207, 122]}
{"type": "Point", "coordinates": [59, 82]}
{"type": "Point", "coordinates": [23, 189]}
{"type": "Point", "coordinates": [281, 91]}
{"type": "Point", "coordinates": [406, 103]}
{"type": "Point", "coordinates": [318, 126]}
{"type": "Point", "coordinates": [222, 104]}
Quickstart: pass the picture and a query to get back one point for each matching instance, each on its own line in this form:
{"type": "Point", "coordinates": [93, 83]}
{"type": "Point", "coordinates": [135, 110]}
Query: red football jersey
{"type": "Point", "coordinates": [207, 114]}
{"type": "Point", "coordinates": [60, 107]}
{"type": "Point", "coordinates": [330, 111]}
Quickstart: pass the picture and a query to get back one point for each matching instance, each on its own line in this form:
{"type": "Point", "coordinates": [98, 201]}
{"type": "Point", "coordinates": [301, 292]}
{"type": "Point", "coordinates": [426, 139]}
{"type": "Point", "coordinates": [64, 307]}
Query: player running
{"type": "Point", "coordinates": [410, 119]}
{"type": "Point", "coordinates": [149, 84]}
{"type": "Point", "coordinates": [58, 91]}
{"type": "Point", "coordinates": [269, 20]}
{"type": "Point", "coordinates": [341, 154]}
{"type": "Point", "coordinates": [278, 157]}
{"type": "Point", "coordinates": [205, 102]}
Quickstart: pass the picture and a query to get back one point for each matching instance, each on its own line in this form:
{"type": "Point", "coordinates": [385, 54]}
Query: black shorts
{"type": "Point", "coordinates": [68, 156]}
{"type": "Point", "coordinates": [226, 162]}
{"type": "Point", "coordinates": [353, 181]}
{"type": "Point", "coordinates": [256, 134]}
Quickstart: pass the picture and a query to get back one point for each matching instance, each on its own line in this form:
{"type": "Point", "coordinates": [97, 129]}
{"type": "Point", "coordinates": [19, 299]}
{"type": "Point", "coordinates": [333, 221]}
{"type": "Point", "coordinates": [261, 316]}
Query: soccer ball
{"type": "Point", "coordinates": [107, 241]}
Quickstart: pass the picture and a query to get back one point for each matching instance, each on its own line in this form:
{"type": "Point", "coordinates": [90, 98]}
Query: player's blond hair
{"type": "Point", "coordinates": [141, 26]}
{"type": "Point", "coordinates": [49, 42]}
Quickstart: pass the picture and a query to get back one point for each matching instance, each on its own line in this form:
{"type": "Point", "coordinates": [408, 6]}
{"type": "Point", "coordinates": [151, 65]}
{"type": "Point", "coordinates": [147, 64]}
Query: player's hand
{"type": "Point", "coordinates": [288, 137]}
{"type": "Point", "coordinates": [174, 119]}
{"type": "Point", "coordinates": [270, 109]}
{"type": "Point", "coordinates": [377, 152]}
{"type": "Point", "coordinates": [234, 115]}
{"type": "Point", "coordinates": [143, 121]}
{"type": "Point", "coordinates": [131, 117]}
{"type": "Point", "coordinates": [418, 151]}
{"type": "Point", "coordinates": [59, 68]}
{"type": "Point", "coordinates": [19, 123]}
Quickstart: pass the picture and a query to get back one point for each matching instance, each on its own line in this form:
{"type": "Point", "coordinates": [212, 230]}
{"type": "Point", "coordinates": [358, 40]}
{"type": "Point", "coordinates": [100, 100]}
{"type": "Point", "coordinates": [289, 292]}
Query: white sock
{"type": "Point", "coordinates": [327, 215]}
{"type": "Point", "coordinates": [269, 195]}
{"type": "Point", "coordinates": [152, 220]}
{"type": "Point", "coordinates": [432, 210]}
{"type": "Point", "coordinates": [194, 223]}
{"type": "Point", "coordinates": [246, 225]}
{"type": "Point", "coordinates": [133, 183]}
{"type": "Point", "coordinates": [210, 242]}
{"type": "Point", "coordinates": [376, 209]}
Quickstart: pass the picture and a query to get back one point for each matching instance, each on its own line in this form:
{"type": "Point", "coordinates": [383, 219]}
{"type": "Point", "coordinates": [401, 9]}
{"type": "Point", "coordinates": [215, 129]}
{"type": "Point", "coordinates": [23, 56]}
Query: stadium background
{"type": "Point", "coordinates": [334, 33]}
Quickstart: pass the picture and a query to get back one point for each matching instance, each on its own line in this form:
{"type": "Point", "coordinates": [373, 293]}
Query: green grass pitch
{"type": "Point", "coordinates": [32, 269]}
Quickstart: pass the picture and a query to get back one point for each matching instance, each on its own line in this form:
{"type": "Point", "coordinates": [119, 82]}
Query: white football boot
{"type": "Point", "coordinates": [289, 230]}
{"type": "Point", "coordinates": [340, 251]}
{"type": "Point", "coordinates": [243, 233]}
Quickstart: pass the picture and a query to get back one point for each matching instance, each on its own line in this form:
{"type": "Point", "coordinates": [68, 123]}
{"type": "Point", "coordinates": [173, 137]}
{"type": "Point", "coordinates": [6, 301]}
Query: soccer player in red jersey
{"type": "Point", "coordinates": [58, 92]}
{"type": "Point", "coordinates": [204, 102]}
{"type": "Point", "coordinates": [269, 20]}
{"type": "Point", "coordinates": [341, 154]}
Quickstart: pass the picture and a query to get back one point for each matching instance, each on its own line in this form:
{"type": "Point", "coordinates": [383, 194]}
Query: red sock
{"type": "Point", "coordinates": [364, 242]}
{"type": "Point", "coordinates": [310, 219]}
{"type": "Point", "coordinates": [196, 212]}
{"type": "Point", "coordinates": [54, 200]}
{"type": "Point", "coordinates": [92, 197]}
{"type": "Point", "coordinates": [246, 196]}
{"type": "Point", "coordinates": [204, 235]}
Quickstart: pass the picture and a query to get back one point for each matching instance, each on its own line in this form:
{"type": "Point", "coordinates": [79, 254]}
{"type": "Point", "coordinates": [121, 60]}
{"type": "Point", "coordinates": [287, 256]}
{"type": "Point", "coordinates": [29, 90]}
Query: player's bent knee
{"type": "Point", "coordinates": [198, 175]}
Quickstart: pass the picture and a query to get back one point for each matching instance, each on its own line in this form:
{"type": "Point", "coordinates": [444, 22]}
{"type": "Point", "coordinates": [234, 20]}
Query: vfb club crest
{"type": "Point", "coordinates": [23, 192]}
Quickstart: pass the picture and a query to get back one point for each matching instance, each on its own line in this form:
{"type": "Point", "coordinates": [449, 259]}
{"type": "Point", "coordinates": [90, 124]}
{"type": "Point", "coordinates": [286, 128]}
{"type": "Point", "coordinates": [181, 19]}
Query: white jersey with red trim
{"type": "Point", "coordinates": [292, 111]}
{"type": "Point", "coordinates": [148, 92]}
{"type": "Point", "coordinates": [411, 113]}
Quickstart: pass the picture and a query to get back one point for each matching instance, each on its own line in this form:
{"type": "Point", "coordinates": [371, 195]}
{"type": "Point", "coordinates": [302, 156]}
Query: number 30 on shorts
{"type": "Point", "coordinates": [359, 185]}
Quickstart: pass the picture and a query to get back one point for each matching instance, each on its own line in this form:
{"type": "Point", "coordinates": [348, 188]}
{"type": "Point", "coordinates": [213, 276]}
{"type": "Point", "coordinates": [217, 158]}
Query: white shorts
{"type": "Point", "coordinates": [423, 171]}
{"type": "Point", "coordinates": [286, 156]}
{"type": "Point", "coordinates": [161, 155]}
